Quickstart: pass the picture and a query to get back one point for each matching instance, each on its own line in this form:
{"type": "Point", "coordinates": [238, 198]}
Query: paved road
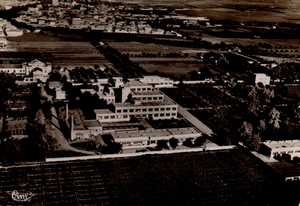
{"type": "Point", "coordinates": [244, 56]}
{"type": "Point", "coordinates": [193, 120]}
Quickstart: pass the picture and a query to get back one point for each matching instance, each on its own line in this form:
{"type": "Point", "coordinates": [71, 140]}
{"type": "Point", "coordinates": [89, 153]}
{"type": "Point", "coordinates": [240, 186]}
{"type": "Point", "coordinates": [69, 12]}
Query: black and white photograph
{"type": "Point", "coordinates": [149, 102]}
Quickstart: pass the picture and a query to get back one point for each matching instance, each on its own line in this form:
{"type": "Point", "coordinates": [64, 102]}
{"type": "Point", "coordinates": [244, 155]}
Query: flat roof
{"type": "Point", "coordinates": [283, 144]}
{"type": "Point", "coordinates": [103, 111]}
{"type": "Point", "coordinates": [134, 83]}
{"type": "Point", "coordinates": [154, 77]}
{"type": "Point", "coordinates": [155, 132]}
{"type": "Point", "coordinates": [91, 123]}
{"type": "Point", "coordinates": [165, 102]}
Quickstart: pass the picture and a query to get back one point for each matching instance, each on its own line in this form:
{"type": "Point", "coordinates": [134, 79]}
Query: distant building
{"type": "Point", "coordinates": [31, 71]}
{"type": "Point", "coordinates": [3, 42]}
{"type": "Point", "coordinates": [262, 78]}
{"type": "Point", "coordinates": [157, 81]}
{"type": "Point", "coordinates": [82, 130]}
{"type": "Point", "coordinates": [16, 128]}
{"type": "Point", "coordinates": [55, 2]}
{"type": "Point", "coordinates": [60, 94]}
{"type": "Point", "coordinates": [278, 148]}
{"type": "Point", "coordinates": [293, 90]}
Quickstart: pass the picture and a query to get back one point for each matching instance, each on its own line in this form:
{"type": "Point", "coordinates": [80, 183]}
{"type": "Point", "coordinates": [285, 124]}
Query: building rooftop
{"type": "Point", "coordinates": [103, 111]}
{"type": "Point", "coordinates": [91, 123]}
{"type": "Point", "coordinates": [155, 132]}
{"type": "Point", "coordinates": [164, 102]}
{"type": "Point", "coordinates": [13, 124]}
{"type": "Point", "coordinates": [282, 144]}
{"type": "Point", "coordinates": [136, 83]}
{"type": "Point", "coordinates": [155, 77]}
{"type": "Point", "coordinates": [222, 177]}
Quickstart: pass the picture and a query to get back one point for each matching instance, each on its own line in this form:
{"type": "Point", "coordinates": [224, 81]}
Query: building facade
{"type": "Point", "coordinates": [139, 100]}
{"type": "Point", "coordinates": [278, 148]}
{"type": "Point", "coordinates": [149, 137]}
{"type": "Point", "coordinates": [31, 71]}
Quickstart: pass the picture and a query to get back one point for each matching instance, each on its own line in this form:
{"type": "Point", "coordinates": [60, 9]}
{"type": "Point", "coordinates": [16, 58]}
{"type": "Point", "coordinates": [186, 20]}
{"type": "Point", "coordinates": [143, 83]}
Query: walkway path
{"type": "Point", "coordinates": [192, 119]}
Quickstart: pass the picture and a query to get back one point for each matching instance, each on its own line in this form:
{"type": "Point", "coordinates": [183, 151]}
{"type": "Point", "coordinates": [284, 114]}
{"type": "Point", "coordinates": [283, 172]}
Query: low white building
{"type": "Point", "coordinates": [107, 116]}
{"type": "Point", "coordinates": [157, 81]}
{"type": "Point", "coordinates": [85, 130]}
{"type": "Point", "coordinates": [277, 148]}
{"type": "Point", "coordinates": [262, 78]}
{"type": "Point", "coordinates": [149, 137]}
{"type": "Point", "coordinates": [16, 69]}
{"type": "Point", "coordinates": [16, 128]}
{"type": "Point", "coordinates": [60, 94]}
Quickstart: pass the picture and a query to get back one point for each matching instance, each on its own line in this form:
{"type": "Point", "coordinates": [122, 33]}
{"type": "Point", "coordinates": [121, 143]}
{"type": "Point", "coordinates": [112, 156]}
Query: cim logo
{"type": "Point", "coordinates": [21, 196]}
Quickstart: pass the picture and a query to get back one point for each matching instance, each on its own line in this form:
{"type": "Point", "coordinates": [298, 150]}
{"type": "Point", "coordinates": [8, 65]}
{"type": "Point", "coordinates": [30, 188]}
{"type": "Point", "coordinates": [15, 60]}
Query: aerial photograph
{"type": "Point", "coordinates": [150, 102]}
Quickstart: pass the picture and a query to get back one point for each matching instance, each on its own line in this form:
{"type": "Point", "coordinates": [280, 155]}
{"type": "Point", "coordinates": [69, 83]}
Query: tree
{"type": "Point", "coordinates": [173, 142]}
{"type": "Point", "coordinates": [162, 144]}
{"type": "Point", "coordinates": [105, 89]}
{"type": "Point", "coordinates": [54, 76]}
{"type": "Point", "coordinates": [199, 141]}
{"type": "Point", "coordinates": [7, 87]}
{"type": "Point", "coordinates": [130, 99]}
{"type": "Point", "coordinates": [275, 118]}
{"type": "Point", "coordinates": [112, 82]}
{"type": "Point", "coordinates": [109, 146]}
{"type": "Point", "coordinates": [188, 142]}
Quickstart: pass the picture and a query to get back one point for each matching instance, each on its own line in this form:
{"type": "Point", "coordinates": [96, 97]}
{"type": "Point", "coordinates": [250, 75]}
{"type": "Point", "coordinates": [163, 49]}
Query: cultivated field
{"type": "Point", "coordinates": [65, 51]}
{"type": "Point", "coordinates": [241, 10]}
{"type": "Point", "coordinates": [135, 47]}
{"type": "Point", "coordinates": [174, 69]}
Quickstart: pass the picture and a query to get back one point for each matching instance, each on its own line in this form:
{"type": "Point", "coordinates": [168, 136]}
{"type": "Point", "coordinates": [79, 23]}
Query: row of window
{"type": "Point", "coordinates": [17, 71]}
{"type": "Point", "coordinates": [17, 132]}
{"type": "Point", "coordinates": [159, 83]}
{"type": "Point", "coordinates": [156, 109]}
{"type": "Point", "coordinates": [156, 115]}
{"type": "Point", "coordinates": [113, 117]}
{"type": "Point", "coordinates": [142, 89]}
{"type": "Point", "coordinates": [149, 98]}
{"type": "Point", "coordinates": [164, 115]}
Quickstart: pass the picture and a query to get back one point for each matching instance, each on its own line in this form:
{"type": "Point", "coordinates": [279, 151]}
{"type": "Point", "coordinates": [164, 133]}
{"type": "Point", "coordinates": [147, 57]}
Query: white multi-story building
{"type": "Point", "coordinates": [139, 100]}
{"type": "Point", "coordinates": [55, 2]}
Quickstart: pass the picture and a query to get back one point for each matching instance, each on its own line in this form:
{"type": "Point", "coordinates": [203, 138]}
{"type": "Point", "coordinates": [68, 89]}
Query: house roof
{"type": "Point", "coordinates": [223, 177]}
